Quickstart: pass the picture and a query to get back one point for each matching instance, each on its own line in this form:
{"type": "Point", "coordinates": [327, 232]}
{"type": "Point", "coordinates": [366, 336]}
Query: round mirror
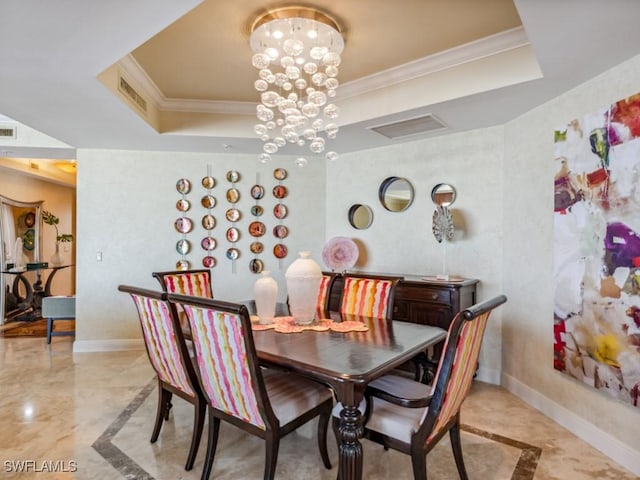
{"type": "Point", "coordinates": [360, 216]}
{"type": "Point", "coordinates": [395, 194]}
{"type": "Point", "coordinates": [443, 194]}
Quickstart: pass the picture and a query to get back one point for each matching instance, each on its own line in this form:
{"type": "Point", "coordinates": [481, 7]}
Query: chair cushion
{"type": "Point", "coordinates": [402, 387]}
{"type": "Point", "coordinates": [291, 395]}
{"type": "Point", "coordinates": [394, 421]}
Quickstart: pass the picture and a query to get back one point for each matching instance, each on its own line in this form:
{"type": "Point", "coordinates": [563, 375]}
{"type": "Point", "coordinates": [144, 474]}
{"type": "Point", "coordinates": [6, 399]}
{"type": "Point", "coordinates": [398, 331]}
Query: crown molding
{"type": "Point", "coordinates": [492, 45]}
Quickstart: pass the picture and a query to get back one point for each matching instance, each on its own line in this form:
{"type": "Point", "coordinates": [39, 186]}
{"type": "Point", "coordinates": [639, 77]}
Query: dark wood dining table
{"type": "Point", "coordinates": [347, 362]}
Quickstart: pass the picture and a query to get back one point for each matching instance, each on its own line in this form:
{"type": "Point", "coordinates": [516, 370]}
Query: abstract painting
{"type": "Point", "coordinates": [597, 249]}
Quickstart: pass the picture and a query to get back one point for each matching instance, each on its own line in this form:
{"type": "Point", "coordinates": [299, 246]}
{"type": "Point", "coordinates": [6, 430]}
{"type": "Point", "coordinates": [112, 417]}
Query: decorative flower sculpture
{"type": "Point", "coordinates": [340, 254]}
{"type": "Point", "coordinates": [442, 225]}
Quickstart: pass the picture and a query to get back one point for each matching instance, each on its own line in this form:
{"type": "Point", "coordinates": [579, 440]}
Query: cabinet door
{"type": "Point", "coordinates": [437, 315]}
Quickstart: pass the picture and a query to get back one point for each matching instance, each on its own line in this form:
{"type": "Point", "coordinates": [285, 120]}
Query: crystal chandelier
{"type": "Point", "coordinates": [297, 54]}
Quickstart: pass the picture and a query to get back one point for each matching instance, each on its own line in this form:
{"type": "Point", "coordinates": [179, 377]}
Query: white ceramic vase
{"type": "Point", "coordinates": [265, 294]}
{"type": "Point", "coordinates": [303, 283]}
{"type": "Point", "coordinates": [56, 258]}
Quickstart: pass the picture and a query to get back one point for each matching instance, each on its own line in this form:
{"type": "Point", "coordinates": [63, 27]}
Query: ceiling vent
{"type": "Point", "coordinates": [132, 94]}
{"type": "Point", "coordinates": [410, 127]}
{"type": "Point", "coordinates": [8, 131]}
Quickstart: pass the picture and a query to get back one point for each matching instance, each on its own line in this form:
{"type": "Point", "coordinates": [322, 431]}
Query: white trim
{"type": "Point", "coordinates": [488, 375]}
{"type": "Point", "coordinates": [618, 451]}
{"type": "Point", "coordinates": [81, 346]}
{"type": "Point", "coordinates": [484, 47]}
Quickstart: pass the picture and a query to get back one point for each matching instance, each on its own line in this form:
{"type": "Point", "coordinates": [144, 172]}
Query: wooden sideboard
{"type": "Point", "coordinates": [427, 302]}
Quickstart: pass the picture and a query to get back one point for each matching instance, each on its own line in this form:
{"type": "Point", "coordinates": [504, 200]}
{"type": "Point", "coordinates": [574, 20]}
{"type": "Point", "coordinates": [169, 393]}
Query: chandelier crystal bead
{"type": "Point", "coordinates": [297, 54]}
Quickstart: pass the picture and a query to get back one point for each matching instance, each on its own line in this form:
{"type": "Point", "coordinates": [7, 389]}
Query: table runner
{"type": "Point", "coordinates": [287, 325]}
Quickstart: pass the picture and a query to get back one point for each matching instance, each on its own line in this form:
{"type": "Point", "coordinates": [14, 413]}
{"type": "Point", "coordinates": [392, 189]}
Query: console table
{"type": "Point", "coordinates": [30, 304]}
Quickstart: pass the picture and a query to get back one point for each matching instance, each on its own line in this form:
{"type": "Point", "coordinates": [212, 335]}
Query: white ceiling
{"type": "Point", "coordinates": [51, 54]}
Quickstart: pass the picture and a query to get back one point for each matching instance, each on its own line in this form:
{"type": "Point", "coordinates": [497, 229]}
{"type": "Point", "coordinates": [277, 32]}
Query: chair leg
{"type": "Point", "coordinates": [200, 409]}
{"type": "Point", "coordinates": [160, 411]}
{"type": "Point", "coordinates": [273, 444]}
{"type": "Point", "coordinates": [323, 425]}
{"type": "Point", "coordinates": [419, 464]}
{"type": "Point", "coordinates": [168, 405]}
{"type": "Point", "coordinates": [49, 329]}
{"type": "Point", "coordinates": [212, 444]}
{"type": "Point", "coordinates": [454, 434]}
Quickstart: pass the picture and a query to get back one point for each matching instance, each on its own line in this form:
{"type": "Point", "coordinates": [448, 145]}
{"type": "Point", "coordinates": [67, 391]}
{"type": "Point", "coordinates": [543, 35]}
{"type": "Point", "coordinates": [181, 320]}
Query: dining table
{"type": "Point", "coordinates": [347, 362]}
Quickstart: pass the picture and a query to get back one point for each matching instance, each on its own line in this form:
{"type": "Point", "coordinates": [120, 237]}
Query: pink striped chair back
{"type": "Point", "coordinates": [454, 389]}
{"type": "Point", "coordinates": [160, 339]}
{"type": "Point", "coordinates": [194, 283]}
{"type": "Point", "coordinates": [368, 297]}
{"type": "Point", "coordinates": [323, 295]}
{"type": "Point", "coordinates": [223, 353]}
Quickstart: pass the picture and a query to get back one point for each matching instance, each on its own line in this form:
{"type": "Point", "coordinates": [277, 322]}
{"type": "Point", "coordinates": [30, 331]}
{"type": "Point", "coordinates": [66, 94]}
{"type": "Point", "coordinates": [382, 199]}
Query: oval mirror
{"type": "Point", "coordinates": [360, 216]}
{"type": "Point", "coordinates": [443, 194]}
{"type": "Point", "coordinates": [395, 194]}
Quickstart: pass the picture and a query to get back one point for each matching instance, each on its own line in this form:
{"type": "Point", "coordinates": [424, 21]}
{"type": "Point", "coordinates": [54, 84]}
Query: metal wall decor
{"type": "Point", "coordinates": [183, 225]}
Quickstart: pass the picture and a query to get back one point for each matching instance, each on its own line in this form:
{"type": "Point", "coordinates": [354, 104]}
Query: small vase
{"type": "Point", "coordinates": [265, 293]}
{"type": "Point", "coordinates": [56, 258]}
{"type": "Point", "coordinates": [303, 283]}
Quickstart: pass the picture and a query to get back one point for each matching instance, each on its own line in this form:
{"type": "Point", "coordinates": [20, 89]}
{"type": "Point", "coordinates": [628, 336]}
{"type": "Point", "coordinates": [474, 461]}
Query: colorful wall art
{"type": "Point", "coordinates": [597, 250]}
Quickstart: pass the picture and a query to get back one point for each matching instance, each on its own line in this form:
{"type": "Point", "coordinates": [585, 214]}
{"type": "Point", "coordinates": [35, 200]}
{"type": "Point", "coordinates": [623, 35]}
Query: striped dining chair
{"type": "Point", "coordinates": [196, 283]}
{"type": "Point", "coordinates": [368, 296]}
{"type": "Point", "coordinates": [170, 359]}
{"type": "Point", "coordinates": [411, 417]}
{"type": "Point", "coordinates": [324, 294]}
{"type": "Point", "coordinates": [267, 403]}
{"type": "Point", "coordinates": [186, 282]}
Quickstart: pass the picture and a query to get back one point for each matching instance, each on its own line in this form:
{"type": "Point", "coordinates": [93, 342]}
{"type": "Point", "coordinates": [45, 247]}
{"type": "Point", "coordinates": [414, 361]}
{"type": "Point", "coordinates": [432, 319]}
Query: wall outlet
{"type": "Point", "coordinates": [98, 256]}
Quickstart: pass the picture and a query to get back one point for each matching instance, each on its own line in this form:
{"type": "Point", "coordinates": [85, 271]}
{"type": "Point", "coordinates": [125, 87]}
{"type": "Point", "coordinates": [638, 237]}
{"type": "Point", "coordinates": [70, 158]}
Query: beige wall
{"type": "Point", "coordinates": [60, 201]}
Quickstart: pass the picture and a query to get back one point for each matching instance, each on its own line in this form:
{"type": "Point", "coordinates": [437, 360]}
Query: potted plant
{"type": "Point", "coordinates": [50, 219]}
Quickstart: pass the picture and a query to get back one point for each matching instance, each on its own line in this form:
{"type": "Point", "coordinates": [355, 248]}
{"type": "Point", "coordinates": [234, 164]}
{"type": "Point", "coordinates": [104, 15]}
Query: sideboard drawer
{"type": "Point", "coordinates": [416, 293]}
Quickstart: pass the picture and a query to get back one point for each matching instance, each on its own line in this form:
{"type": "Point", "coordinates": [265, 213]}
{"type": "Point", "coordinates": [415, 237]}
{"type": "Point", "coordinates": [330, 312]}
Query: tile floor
{"type": "Point", "coordinates": [93, 413]}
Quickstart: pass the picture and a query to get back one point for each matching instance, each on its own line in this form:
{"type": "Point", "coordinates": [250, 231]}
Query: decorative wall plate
{"type": "Point", "coordinates": [279, 174]}
{"type": "Point", "coordinates": [208, 201]}
{"type": "Point", "coordinates": [233, 176]}
{"type": "Point", "coordinates": [280, 231]}
{"type": "Point", "coordinates": [183, 265]}
{"type": "Point", "coordinates": [233, 253]}
{"type": "Point", "coordinates": [257, 229]}
{"type": "Point", "coordinates": [208, 182]}
{"type": "Point", "coordinates": [208, 243]}
{"type": "Point", "coordinates": [183, 186]}
{"type": "Point", "coordinates": [232, 214]}
{"type": "Point", "coordinates": [29, 239]}
{"type": "Point", "coordinates": [208, 222]}
{"type": "Point", "coordinates": [280, 211]}
{"type": "Point", "coordinates": [183, 225]}
{"type": "Point", "coordinates": [233, 234]}
{"type": "Point", "coordinates": [340, 254]}
{"type": "Point", "coordinates": [256, 265]}
{"type": "Point", "coordinates": [280, 250]}
{"type": "Point", "coordinates": [233, 195]}
{"type": "Point", "coordinates": [209, 262]}
{"type": "Point", "coordinates": [30, 219]}
{"type": "Point", "coordinates": [257, 192]}
{"type": "Point", "coordinates": [256, 247]}
{"type": "Point", "coordinates": [183, 205]}
{"type": "Point", "coordinates": [280, 191]}
{"type": "Point", "coordinates": [257, 210]}
{"type": "Point", "coordinates": [183, 246]}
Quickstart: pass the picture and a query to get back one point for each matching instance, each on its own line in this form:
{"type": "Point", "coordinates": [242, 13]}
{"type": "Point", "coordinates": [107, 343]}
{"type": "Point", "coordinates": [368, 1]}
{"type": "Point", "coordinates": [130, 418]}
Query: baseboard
{"type": "Point", "coordinates": [488, 375]}
{"type": "Point", "coordinates": [80, 346]}
{"type": "Point", "coordinates": [612, 447]}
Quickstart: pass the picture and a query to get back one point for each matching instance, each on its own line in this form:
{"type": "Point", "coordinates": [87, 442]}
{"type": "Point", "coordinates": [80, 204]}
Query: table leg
{"type": "Point", "coordinates": [350, 448]}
